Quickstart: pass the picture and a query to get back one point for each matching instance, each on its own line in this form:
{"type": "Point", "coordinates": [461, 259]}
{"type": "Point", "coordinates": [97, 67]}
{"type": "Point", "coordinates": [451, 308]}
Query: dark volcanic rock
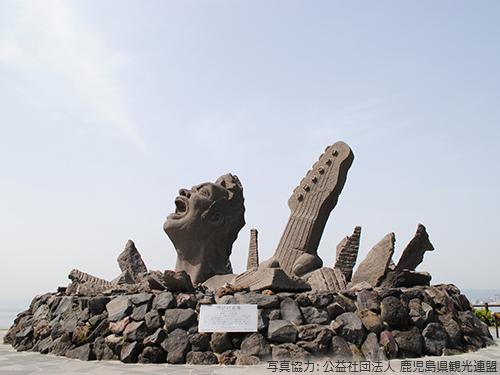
{"type": "Point", "coordinates": [102, 351]}
{"type": "Point", "coordinates": [313, 315]}
{"type": "Point", "coordinates": [411, 342]}
{"type": "Point", "coordinates": [135, 331]}
{"type": "Point", "coordinates": [177, 346]}
{"type": "Point", "coordinates": [389, 343]}
{"type": "Point", "coordinates": [340, 349]}
{"type": "Point", "coordinates": [435, 339]}
{"type": "Point", "coordinates": [83, 353]}
{"type": "Point", "coordinates": [291, 311]}
{"type": "Point", "coordinates": [200, 342]}
{"type": "Point", "coordinates": [255, 345]}
{"type": "Point", "coordinates": [368, 301]}
{"type": "Point", "coordinates": [263, 301]}
{"type": "Point", "coordinates": [130, 352]}
{"type": "Point", "coordinates": [320, 345]}
{"type": "Point", "coordinates": [179, 318]}
{"type": "Point", "coordinates": [220, 342]}
{"type": "Point", "coordinates": [201, 358]}
{"type": "Point", "coordinates": [282, 331]}
{"type": "Point", "coordinates": [163, 301]}
{"type": "Point", "coordinates": [156, 338]}
{"type": "Point", "coordinates": [290, 351]}
{"type": "Point", "coordinates": [394, 312]}
{"type": "Point", "coordinates": [350, 328]}
{"type": "Point", "coordinates": [152, 354]}
{"type": "Point", "coordinates": [371, 321]}
{"type": "Point", "coordinates": [372, 350]}
{"type": "Point", "coordinates": [153, 320]}
{"type": "Point", "coordinates": [119, 308]}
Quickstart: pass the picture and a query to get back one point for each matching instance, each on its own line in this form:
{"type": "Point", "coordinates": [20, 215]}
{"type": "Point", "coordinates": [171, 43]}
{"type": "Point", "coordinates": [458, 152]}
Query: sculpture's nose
{"type": "Point", "coordinates": [185, 192]}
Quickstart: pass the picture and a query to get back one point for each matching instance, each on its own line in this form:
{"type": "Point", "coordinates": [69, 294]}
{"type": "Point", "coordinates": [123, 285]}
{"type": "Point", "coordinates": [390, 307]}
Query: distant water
{"type": "Point", "coordinates": [9, 310]}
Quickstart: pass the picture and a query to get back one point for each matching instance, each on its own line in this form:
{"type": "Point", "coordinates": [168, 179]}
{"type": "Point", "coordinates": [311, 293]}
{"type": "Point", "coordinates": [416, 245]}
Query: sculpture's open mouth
{"type": "Point", "coordinates": [181, 205]}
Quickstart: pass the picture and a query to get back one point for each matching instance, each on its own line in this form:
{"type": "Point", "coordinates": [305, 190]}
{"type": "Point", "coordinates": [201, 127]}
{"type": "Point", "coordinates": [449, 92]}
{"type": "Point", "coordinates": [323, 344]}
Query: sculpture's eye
{"type": "Point", "coordinates": [205, 192]}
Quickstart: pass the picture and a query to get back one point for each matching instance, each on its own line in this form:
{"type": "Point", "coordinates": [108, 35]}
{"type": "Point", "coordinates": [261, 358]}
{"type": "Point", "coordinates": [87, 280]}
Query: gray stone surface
{"type": "Point", "coordinates": [282, 331]}
{"type": "Point", "coordinates": [177, 346]}
{"type": "Point", "coordinates": [373, 268]}
{"type": "Point", "coordinates": [164, 301]}
{"type": "Point", "coordinates": [350, 328]}
{"type": "Point", "coordinates": [347, 254]}
{"type": "Point", "coordinates": [413, 254]}
{"type": "Point", "coordinates": [118, 308]}
{"type": "Point", "coordinates": [179, 318]}
{"type": "Point", "coordinates": [372, 350]}
{"type": "Point", "coordinates": [206, 222]}
{"type": "Point", "coordinates": [313, 315]}
{"type": "Point", "coordinates": [256, 345]}
{"type": "Point", "coordinates": [291, 311]}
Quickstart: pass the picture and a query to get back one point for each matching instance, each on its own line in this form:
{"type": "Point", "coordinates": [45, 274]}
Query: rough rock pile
{"type": "Point", "coordinates": [161, 326]}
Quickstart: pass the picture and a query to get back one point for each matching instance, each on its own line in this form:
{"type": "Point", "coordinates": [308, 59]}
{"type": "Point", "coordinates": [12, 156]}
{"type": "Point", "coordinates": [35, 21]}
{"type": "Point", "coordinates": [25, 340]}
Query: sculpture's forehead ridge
{"type": "Point", "coordinates": [214, 190]}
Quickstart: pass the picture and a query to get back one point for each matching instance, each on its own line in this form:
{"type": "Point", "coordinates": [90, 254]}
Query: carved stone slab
{"type": "Point", "coordinates": [374, 267]}
{"type": "Point", "coordinates": [413, 254]}
{"type": "Point", "coordinates": [270, 278]}
{"type": "Point", "coordinates": [253, 251]}
{"type": "Point", "coordinates": [310, 205]}
{"type": "Point", "coordinates": [347, 253]}
{"type": "Point", "coordinates": [327, 279]}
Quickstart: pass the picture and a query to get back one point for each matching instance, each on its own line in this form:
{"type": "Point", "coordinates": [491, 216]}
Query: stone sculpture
{"type": "Point", "coordinates": [347, 253]}
{"type": "Point", "coordinates": [206, 222]}
{"type": "Point", "coordinates": [305, 311]}
{"type": "Point", "coordinates": [413, 254]}
{"type": "Point", "coordinates": [310, 204]}
{"type": "Point", "coordinates": [374, 267]}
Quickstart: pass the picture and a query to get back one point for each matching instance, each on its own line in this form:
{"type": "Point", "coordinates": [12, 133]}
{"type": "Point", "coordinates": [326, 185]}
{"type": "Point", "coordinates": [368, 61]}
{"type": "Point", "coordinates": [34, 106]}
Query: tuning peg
{"type": "Point", "coordinates": [321, 170]}
{"type": "Point", "coordinates": [314, 179]}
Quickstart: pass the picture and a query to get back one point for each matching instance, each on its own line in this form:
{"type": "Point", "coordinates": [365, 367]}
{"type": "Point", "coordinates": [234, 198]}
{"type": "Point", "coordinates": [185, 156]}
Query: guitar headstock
{"type": "Point", "coordinates": [326, 178]}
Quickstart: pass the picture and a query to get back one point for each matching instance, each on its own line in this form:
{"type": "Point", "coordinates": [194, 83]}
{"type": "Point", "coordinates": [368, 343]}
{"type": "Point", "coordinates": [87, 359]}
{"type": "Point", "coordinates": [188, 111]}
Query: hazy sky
{"type": "Point", "coordinates": [109, 107]}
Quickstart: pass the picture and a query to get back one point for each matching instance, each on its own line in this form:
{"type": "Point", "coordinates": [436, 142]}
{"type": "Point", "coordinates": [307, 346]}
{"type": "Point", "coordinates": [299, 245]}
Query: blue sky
{"type": "Point", "coordinates": [109, 107]}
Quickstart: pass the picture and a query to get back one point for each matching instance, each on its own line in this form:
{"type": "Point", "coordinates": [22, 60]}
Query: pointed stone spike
{"type": "Point", "coordinates": [253, 251]}
{"type": "Point", "coordinates": [347, 253]}
{"type": "Point", "coordinates": [413, 254]}
{"type": "Point", "coordinates": [374, 267]}
{"type": "Point", "coordinates": [130, 260]}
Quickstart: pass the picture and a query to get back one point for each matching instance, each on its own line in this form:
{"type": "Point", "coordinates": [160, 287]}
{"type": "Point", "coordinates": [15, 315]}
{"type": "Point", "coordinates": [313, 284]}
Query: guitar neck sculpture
{"type": "Point", "coordinates": [310, 205]}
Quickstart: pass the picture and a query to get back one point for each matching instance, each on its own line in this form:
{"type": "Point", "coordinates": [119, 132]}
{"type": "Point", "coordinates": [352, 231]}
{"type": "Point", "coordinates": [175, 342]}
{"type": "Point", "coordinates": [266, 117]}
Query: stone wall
{"type": "Point", "coordinates": [158, 327]}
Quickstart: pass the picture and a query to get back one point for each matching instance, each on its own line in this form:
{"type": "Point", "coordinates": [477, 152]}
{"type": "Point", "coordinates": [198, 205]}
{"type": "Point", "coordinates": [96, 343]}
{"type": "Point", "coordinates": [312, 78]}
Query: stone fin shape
{"type": "Point", "coordinates": [83, 277]}
{"type": "Point", "coordinates": [130, 260]}
{"type": "Point", "coordinates": [413, 254]}
{"type": "Point", "coordinates": [347, 253]}
{"type": "Point", "coordinates": [310, 204]}
{"type": "Point", "coordinates": [374, 267]}
{"type": "Point", "coordinates": [253, 251]}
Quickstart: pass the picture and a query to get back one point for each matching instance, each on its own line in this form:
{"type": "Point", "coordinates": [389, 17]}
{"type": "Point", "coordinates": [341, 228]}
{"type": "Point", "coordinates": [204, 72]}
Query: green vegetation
{"type": "Point", "coordinates": [485, 316]}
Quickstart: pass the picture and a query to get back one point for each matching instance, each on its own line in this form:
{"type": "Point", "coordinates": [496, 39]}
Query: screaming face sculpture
{"type": "Point", "coordinates": [205, 224]}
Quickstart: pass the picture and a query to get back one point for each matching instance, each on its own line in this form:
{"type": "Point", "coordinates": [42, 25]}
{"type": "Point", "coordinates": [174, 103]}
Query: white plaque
{"type": "Point", "coordinates": [228, 318]}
